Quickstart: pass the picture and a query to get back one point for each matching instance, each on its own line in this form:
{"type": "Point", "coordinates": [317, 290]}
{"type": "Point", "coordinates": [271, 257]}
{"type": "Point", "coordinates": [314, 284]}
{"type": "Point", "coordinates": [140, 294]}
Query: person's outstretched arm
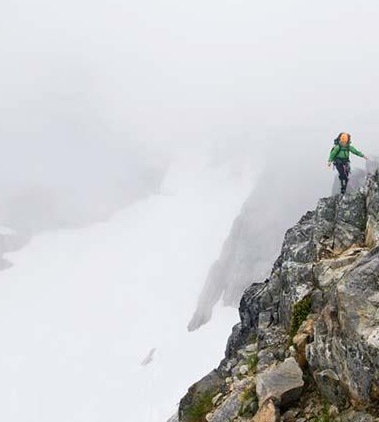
{"type": "Point", "coordinates": [356, 152]}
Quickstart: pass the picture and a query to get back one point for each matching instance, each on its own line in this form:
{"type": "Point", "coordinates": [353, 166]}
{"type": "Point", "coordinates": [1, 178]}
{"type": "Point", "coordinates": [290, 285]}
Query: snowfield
{"type": "Point", "coordinates": [80, 310]}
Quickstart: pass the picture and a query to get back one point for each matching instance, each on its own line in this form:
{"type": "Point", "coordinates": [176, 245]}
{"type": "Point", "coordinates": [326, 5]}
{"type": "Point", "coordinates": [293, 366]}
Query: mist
{"type": "Point", "coordinates": [82, 310]}
{"type": "Point", "coordinates": [98, 97]}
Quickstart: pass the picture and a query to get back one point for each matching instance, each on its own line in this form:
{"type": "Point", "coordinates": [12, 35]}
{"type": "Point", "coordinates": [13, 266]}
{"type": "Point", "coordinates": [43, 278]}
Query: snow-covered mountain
{"type": "Point", "coordinates": [81, 311]}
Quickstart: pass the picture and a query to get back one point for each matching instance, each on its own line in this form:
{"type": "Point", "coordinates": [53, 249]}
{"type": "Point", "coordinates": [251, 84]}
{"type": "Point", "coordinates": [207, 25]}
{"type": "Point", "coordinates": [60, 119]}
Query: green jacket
{"type": "Point", "coordinates": [343, 152]}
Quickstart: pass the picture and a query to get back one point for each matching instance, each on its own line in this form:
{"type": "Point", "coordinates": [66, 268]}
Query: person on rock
{"type": "Point", "coordinates": [339, 156]}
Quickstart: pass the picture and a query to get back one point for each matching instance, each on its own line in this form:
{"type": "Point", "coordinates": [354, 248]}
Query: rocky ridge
{"type": "Point", "coordinates": [307, 346]}
{"type": "Point", "coordinates": [257, 233]}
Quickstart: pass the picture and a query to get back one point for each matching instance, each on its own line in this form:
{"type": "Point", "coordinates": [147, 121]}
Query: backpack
{"type": "Point", "coordinates": [337, 142]}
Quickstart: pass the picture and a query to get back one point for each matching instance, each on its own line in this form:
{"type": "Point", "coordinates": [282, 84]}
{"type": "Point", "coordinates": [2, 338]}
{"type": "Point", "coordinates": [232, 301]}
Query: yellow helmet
{"type": "Point", "coordinates": [344, 138]}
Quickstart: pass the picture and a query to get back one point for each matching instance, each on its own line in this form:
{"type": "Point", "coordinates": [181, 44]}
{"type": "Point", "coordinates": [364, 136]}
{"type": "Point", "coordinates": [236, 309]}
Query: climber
{"type": "Point", "coordinates": [339, 155]}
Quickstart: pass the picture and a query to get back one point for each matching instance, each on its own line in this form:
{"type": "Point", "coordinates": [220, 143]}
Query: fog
{"type": "Point", "coordinates": [81, 310]}
{"type": "Point", "coordinates": [97, 97]}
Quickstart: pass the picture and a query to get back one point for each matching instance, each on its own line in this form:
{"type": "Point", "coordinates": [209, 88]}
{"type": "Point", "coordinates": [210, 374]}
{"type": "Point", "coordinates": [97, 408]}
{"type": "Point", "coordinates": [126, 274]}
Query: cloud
{"type": "Point", "coordinates": [104, 92]}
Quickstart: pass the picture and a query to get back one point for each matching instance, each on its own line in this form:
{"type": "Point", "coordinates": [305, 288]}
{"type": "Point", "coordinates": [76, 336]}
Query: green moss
{"type": "Point", "coordinates": [201, 405]}
{"type": "Point", "coordinates": [300, 312]}
{"type": "Point", "coordinates": [252, 362]}
{"type": "Point", "coordinates": [248, 394]}
{"type": "Point", "coordinates": [249, 402]}
{"type": "Point", "coordinates": [324, 417]}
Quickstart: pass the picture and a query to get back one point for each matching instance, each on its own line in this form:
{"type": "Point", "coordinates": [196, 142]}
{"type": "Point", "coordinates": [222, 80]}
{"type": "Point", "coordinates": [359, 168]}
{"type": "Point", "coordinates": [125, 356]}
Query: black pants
{"type": "Point", "coordinates": [343, 168]}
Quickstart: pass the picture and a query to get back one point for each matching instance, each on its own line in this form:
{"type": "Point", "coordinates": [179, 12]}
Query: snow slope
{"type": "Point", "coordinates": [80, 310]}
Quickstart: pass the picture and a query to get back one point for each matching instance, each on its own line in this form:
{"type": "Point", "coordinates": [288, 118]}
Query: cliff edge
{"type": "Point", "coordinates": [307, 345]}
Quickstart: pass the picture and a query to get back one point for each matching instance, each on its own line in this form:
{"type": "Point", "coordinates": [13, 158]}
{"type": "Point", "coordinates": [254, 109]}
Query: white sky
{"type": "Point", "coordinates": [100, 75]}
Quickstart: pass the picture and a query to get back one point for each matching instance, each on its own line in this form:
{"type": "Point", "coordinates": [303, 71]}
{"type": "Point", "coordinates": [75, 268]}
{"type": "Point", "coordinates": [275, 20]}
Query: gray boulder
{"type": "Point", "coordinates": [283, 382]}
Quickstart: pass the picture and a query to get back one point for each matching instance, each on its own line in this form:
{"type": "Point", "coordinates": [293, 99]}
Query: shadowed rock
{"type": "Point", "coordinates": [283, 382]}
{"type": "Point", "coordinates": [256, 236]}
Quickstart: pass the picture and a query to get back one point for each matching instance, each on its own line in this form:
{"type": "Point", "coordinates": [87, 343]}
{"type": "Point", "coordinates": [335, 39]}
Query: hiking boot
{"type": "Point", "coordinates": [343, 186]}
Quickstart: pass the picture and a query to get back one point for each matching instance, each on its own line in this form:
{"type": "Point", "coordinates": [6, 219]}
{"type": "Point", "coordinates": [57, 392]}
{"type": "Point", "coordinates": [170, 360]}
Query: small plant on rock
{"type": "Point", "coordinates": [252, 362]}
{"type": "Point", "coordinates": [324, 417]}
{"type": "Point", "coordinates": [201, 405]}
{"type": "Point", "coordinates": [249, 402]}
{"type": "Point", "coordinates": [300, 312]}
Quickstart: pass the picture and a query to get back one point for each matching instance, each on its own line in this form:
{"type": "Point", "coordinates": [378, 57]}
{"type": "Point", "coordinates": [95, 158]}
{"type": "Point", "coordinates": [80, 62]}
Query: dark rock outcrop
{"type": "Point", "coordinates": [256, 236]}
{"type": "Point", "coordinates": [318, 313]}
{"type": "Point", "coordinates": [257, 233]}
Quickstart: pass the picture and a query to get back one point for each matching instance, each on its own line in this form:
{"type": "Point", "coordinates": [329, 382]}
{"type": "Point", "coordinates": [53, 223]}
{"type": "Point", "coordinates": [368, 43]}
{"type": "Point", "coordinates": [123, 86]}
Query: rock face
{"type": "Point", "coordinates": [257, 233]}
{"type": "Point", "coordinates": [256, 236]}
{"type": "Point", "coordinates": [308, 340]}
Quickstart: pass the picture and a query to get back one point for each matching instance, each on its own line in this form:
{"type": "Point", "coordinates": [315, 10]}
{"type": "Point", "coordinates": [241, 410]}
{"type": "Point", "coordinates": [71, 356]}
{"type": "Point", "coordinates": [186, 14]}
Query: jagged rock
{"type": "Point", "coordinates": [298, 242]}
{"type": "Point", "coordinates": [268, 412]}
{"type": "Point", "coordinates": [317, 299]}
{"type": "Point", "coordinates": [350, 221]}
{"type": "Point", "coordinates": [228, 410]}
{"type": "Point", "coordinates": [229, 380]}
{"type": "Point", "coordinates": [235, 341]}
{"type": "Point", "coordinates": [217, 399]}
{"type": "Point", "coordinates": [283, 382]}
{"type": "Point", "coordinates": [244, 369]}
{"type": "Point", "coordinates": [325, 220]}
{"type": "Point", "coordinates": [344, 354]}
{"type": "Point", "coordinates": [272, 345]}
{"type": "Point", "coordinates": [372, 228]}
{"type": "Point", "coordinates": [230, 407]}
{"type": "Point", "coordinates": [266, 358]}
{"type": "Point", "coordinates": [256, 236]}
{"type": "Point", "coordinates": [251, 348]}
{"type": "Point", "coordinates": [249, 351]}
{"type": "Point", "coordinates": [228, 365]}
{"type": "Point", "coordinates": [210, 385]}
{"type": "Point", "coordinates": [301, 339]}
{"type": "Point", "coordinates": [331, 387]}
{"type": "Point", "coordinates": [298, 282]}
{"type": "Point", "coordinates": [249, 313]}
{"type": "Point", "coordinates": [331, 271]}
{"type": "Point", "coordinates": [328, 272]}
{"type": "Point", "coordinates": [353, 416]}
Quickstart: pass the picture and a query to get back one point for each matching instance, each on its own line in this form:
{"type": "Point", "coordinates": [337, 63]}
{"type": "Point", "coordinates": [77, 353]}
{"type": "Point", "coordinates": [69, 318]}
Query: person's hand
{"type": "Point", "coordinates": [366, 158]}
{"type": "Point", "coordinates": [329, 163]}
